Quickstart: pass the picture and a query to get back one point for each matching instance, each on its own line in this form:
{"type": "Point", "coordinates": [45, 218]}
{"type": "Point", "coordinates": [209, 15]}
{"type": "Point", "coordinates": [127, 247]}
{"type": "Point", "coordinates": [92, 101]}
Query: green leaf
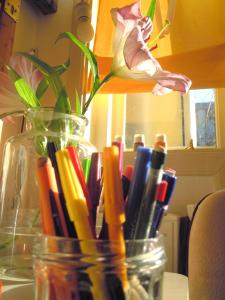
{"type": "Point", "coordinates": [88, 53]}
{"type": "Point", "coordinates": [44, 84]}
{"type": "Point", "coordinates": [60, 69]}
{"type": "Point", "coordinates": [42, 88]}
{"type": "Point", "coordinates": [151, 9]}
{"type": "Point", "coordinates": [77, 103]}
{"type": "Point", "coordinates": [25, 92]}
{"type": "Point", "coordinates": [54, 81]}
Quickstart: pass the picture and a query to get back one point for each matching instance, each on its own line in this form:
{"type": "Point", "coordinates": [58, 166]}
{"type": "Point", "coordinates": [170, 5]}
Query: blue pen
{"type": "Point", "coordinates": [160, 198]}
{"type": "Point", "coordinates": [170, 178]}
{"type": "Point", "coordinates": [146, 213]}
{"type": "Point", "coordinates": [136, 190]}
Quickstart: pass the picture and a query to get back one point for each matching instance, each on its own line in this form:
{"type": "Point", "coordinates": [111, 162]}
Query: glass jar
{"type": "Point", "coordinates": [62, 271]}
{"type": "Point", "coordinates": [19, 203]}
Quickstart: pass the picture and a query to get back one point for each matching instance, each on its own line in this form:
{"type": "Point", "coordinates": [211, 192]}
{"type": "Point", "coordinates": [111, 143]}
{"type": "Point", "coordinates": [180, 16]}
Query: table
{"type": "Point", "coordinates": [175, 287]}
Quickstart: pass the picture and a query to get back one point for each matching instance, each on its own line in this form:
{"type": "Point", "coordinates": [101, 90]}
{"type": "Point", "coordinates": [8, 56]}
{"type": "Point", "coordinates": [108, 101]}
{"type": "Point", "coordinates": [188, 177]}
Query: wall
{"type": "Point", "coordinates": [39, 32]}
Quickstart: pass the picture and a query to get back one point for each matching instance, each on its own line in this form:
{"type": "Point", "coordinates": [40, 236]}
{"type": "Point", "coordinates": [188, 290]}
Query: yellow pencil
{"type": "Point", "coordinates": [114, 205]}
{"type": "Point", "coordinates": [78, 213]}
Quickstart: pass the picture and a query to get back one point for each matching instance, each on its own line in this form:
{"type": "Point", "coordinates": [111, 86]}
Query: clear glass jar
{"type": "Point", "coordinates": [62, 271]}
{"type": "Point", "coordinates": [19, 203]}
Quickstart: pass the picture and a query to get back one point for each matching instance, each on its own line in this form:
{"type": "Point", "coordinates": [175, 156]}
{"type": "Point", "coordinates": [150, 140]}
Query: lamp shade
{"type": "Point", "coordinates": [194, 45]}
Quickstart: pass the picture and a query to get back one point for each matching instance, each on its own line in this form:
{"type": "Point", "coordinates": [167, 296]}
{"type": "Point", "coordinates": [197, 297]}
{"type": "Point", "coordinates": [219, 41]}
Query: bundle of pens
{"type": "Point", "coordinates": [122, 262]}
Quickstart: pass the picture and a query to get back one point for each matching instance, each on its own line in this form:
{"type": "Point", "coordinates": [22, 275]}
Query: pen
{"type": "Point", "coordinates": [114, 205]}
{"type": "Point", "coordinates": [171, 179]}
{"type": "Point", "coordinates": [55, 215]}
{"type": "Point", "coordinates": [129, 170]}
{"type": "Point", "coordinates": [119, 143]}
{"type": "Point", "coordinates": [137, 185]}
{"type": "Point", "coordinates": [45, 182]}
{"type": "Point", "coordinates": [80, 175]}
{"type": "Point", "coordinates": [69, 225]}
{"type": "Point", "coordinates": [160, 197]}
{"type": "Point", "coordinates": [94, 182]}
{"type": "Point", "coordinates": [86, 167]}
{"type": "Point", "coordinates": [78, 212]}
{"type": "Point", "coordinates": [144, 222]}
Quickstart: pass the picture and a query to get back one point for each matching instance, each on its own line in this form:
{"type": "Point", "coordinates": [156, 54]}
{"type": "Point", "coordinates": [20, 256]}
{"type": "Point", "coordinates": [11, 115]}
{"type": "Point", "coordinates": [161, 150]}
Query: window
{"type": "Point", "coordinates": [181, 118]}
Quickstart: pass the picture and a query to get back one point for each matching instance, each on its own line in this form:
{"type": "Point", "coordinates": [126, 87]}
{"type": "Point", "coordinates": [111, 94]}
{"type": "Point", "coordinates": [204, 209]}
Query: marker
{"type": "Point", "coordinates": [114, 205]}
{"type": "Point", "coordinates": [119, 143]}
{"type": "Point", "coordinates": [141, 168]}
{"type": "Point", "coordinates": [45, 177]}
{"type": "Point", "coordinates": [94, 183]}
{"type": "Point", "coordinates": [73, 154]}
{"type": "Point", "coordinates": [155, 176]}
{"type": "Point", "coordinates": [78, 212]}
{"type": "Point", "coordinates": [69, 225]}
{"type": "Point", "coordinates": [86, 162]}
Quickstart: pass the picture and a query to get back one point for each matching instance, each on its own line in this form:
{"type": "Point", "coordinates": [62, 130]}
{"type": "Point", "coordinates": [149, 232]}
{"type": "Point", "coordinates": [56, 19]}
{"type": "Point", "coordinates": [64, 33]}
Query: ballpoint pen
{"type": "Point", "coordinates": [137, 185]}
{"type": "Point", "coordinates": [157, 207]}
{"type": "Point", "coordinates": [114, 205]}
{"type": "Point", "coordinates": [145, 216]}
{"type": "Point", "coordinates": [170, 178]}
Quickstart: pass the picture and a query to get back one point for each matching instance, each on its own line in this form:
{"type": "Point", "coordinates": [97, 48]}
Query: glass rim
{"type": "Point", "coordinates": [158, 238]}
{"type": "Point", "coordinates": [74, 116]}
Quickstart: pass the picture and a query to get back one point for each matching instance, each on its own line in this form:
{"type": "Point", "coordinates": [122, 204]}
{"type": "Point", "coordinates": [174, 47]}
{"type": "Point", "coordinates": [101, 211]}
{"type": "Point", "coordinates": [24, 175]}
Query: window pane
{"type": "Point", "coordinates": [180, 118]}
{"type": "Point", "coordinates": [203, 117]}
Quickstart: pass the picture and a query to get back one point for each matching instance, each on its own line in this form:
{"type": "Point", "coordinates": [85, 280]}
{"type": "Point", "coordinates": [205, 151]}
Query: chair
{"type": "Point", "coordinates": [206, 257]}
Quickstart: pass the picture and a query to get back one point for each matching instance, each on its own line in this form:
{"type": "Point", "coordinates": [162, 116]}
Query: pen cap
{"type": "Point", "coordinates": [129, 171]}
{"type": "Point", "coordinates": [139, 138]}
{"type": "Point", "coordinates": [113, 193]}
{"type": "Point", "coordinates": [161, 191]}
{"type": "Point", "coordinates": [120, 146]}
{"type": "Point", "coordinates": [159, 151]}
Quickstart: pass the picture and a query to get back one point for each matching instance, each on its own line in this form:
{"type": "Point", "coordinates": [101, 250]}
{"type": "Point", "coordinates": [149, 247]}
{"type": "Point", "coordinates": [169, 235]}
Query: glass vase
{"type": "Point", "coordinates": [19, 203]}
{"type": "Point", "coordinates": [64, 271]}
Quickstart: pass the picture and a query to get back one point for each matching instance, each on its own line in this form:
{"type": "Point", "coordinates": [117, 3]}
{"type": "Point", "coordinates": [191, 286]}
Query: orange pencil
{"type": "Point", "coordinates": [114, 204]}
{"type": "Point", "coordinates": [47, 187]}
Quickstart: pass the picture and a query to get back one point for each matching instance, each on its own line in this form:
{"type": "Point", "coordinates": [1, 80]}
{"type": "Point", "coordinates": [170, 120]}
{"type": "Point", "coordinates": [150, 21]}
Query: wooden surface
{"type": "Point", "coordinates": [7, 31]}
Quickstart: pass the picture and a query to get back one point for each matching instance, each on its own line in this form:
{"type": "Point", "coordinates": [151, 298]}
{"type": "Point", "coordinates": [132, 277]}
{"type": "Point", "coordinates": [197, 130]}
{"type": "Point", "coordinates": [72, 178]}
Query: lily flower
{"type": "Point", "coordinates": [9, 98]}
{"type": "Point", "coordinates": [133, 59]}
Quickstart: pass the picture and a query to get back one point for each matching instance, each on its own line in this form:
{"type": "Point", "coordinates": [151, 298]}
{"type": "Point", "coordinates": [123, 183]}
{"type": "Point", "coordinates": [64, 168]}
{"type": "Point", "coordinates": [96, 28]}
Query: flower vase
{"type": "Point", "coordinates": [19, 197]}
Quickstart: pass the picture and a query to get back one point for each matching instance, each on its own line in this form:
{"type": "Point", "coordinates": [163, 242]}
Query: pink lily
{"type": "Point", "coordinates": [9, 98]}
{"type": "Point", "coordinates": [132, 57]}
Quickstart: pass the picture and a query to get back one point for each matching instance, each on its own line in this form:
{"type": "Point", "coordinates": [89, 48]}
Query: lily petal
{"type": "Point", "coordinates": [132, 57]}
{"type": "Point", "coordinates": [26, 69]}
{"type": "Point", "coordinates": [9, 99]}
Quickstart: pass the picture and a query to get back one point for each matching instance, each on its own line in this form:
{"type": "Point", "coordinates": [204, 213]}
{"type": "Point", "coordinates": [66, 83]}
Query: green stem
{"type": "Point", "coordinates": [153, 41]}
{"type": "Point", "coordinates": [105, 79]}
